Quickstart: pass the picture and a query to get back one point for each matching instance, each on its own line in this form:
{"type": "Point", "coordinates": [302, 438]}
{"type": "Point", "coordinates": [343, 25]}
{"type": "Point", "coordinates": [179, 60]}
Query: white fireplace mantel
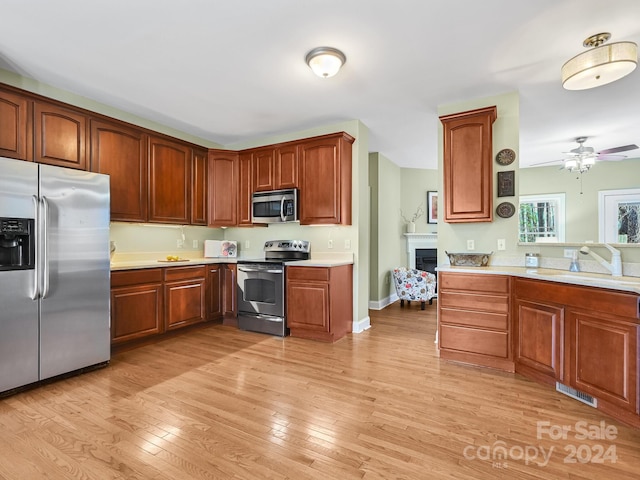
{"type": "Point", "coordinates": [416, 241]}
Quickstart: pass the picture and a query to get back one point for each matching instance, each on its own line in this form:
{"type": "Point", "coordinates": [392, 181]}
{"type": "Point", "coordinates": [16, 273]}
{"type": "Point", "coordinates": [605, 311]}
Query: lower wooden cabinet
{"type": "Point", "coordinates": [136, 304]}
{"type": "Point", "coordinates": [184, 296]}
{"type": "Point", "coordinates": [604, 357]}
{"type": "Point", "coordinates": [583, 337]}
{"type": "Point", "coordinates": [538, 342]}
{"type": "Point", "coordinates": [474, 319]}
{"type": "Point", "coordinates": [319, 302]}
{"type": "Point", "coordinates": [147, 302]}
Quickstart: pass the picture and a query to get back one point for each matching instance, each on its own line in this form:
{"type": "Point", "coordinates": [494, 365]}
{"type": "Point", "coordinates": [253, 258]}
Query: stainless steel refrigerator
{"type": "Point", "coordinates": [54, 272]}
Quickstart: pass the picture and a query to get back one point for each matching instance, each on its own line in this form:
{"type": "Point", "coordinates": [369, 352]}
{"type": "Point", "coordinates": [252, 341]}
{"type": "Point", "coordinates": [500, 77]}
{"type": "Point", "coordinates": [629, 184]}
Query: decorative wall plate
{"type": "Point", "coordinates": [506, 209]}
{"type": "Point", "coordinates": [505, 156]}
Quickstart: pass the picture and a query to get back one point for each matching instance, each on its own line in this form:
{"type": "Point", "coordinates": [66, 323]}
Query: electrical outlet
{"type": "Point", "coordinates": [179, 243]}
{"type": "Point", "coordinates": [502, 245]}
{"type": "Point", "coordinates": [347, 244]}
{"type": "Point", "coordinates": [568, 252]}
{"type": "Point", "coordinates": [247, 244]}
{"type": "Point", "coordinates": [330, 244]}
{"type": "Point", "coordinates": [471, 245]}
{"type": "Point", "coordinates": [194, 244]}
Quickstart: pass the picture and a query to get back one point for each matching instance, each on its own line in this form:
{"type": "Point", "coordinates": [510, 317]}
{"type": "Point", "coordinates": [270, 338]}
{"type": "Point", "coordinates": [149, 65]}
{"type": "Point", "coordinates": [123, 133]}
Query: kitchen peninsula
{"type": "Point", "coordinates": [576, 330]}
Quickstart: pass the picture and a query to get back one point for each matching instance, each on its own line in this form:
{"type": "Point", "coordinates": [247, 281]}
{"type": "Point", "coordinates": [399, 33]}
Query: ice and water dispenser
{"type": "Point", "coordinates": [17, 243]}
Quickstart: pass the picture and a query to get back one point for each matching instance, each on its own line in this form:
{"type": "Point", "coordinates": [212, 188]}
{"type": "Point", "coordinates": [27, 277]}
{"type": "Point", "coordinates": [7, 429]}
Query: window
{"type": "Point", "coordinates": [542, 218]}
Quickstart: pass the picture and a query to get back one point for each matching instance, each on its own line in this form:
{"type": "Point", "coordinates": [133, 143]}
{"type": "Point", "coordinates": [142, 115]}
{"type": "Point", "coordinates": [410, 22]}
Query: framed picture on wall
{"type": "Point", "coordinates": [506, 183]}
{"type": "Point", "coordinates": [432, 207]}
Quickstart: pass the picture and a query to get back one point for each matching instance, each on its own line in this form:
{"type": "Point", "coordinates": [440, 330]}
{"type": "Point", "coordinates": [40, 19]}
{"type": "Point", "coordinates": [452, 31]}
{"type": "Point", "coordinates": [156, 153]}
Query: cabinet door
{"type": "Point", "coordinates": [121, 153]}
{"type": "Point", "coordinates": [199, 187]}
{"type": "Point", "coordinates": [604, 357]}
{"type": "Point", "coordinates": [16, 127]}
{"type": "Point", "coordinates": [60, 136]}
{"type": "Point", "coordinates": [136, 312]}
{"type": "Point", "coordinates": [169, 181]}
{"type": "Point", "coordinates": [184, 303]}
{"type": "Point", "coordinates": [229, 303]}
{"type": "Point", "coordinates": [308, 305]}
{"type": "Point", "coordinates": [468, 162]}
{"type": "Point", "coordinates": [325, 180]}
{"type": "Point", "coordinates": [263, 174]}
{"type": "Point", "coordinates": [245, 187]}
{"type": "Point", "coordinates": [223, 188]}
{"type": "Point", "coordinates": [286, 167]}
{"type": "Point", "coordinates": [214, 292]}
{"type": "Point", "coordinates": [539, 341]}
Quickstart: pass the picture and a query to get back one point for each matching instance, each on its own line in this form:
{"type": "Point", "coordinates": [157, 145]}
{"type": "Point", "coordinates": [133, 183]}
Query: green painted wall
{"type": "Point", "coordinates": [453, 237]}
{"type": "Point", "coordinates": [581, 208]}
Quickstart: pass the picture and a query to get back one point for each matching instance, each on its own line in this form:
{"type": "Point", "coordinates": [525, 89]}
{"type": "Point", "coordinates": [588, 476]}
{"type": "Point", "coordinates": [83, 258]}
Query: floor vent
{"type": "Point", "coordinates": [577, 394]}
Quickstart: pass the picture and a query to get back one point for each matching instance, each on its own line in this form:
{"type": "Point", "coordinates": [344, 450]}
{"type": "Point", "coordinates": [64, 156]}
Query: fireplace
{"type": "Point", "coordinates": [421, 241]}
{"type": "Point", "coordinates": [427, 259]}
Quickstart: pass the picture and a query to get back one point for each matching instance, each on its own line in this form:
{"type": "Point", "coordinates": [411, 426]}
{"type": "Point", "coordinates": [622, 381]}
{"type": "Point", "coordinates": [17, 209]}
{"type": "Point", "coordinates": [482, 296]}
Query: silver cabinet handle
{"type": "Point", "coordinates": [45, 247]}
{"type": "Point", "coordinates": [36, 271]}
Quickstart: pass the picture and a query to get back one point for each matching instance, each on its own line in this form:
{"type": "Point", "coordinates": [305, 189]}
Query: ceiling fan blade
{"type": "Point", "coordinates": [624, 148]}
{"type": "Point", "coordinates": [611, 158]}
{"type": "Point", "coordinates": [546, 163]}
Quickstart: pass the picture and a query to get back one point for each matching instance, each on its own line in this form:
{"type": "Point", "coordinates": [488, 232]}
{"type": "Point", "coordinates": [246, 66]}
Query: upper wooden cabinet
{"type": "Point", "coordinates": [468, 172]}
{"type": "Point", "coordinates": [223, 188]}
{"type": "Point", "coordinates": [121, 152]}
{"type": "Point", "coordinates": [16, 126]}
{"type": "Point", "coordinates": [325, 179]}
{"type": "Point", "coordinates": [60, 136]}
{"type": "Point", "coordinates": [169, 181]}
{"type": "Point", "coordinates": [245, 187]}
{"type": "Point", "coordinates": [263, 169]}
{"type": "Point", "coordinates": [275, 168]}
{"type": "Point", "coordinates": [285, 168]}
{"type": "Point", "coordinates": [199, 194]}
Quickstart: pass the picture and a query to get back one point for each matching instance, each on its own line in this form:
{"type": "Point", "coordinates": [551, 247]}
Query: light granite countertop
{"type": "Point", "coordinates": [624, 283]}
{"type": "Point", "coordinates": [156, 260]}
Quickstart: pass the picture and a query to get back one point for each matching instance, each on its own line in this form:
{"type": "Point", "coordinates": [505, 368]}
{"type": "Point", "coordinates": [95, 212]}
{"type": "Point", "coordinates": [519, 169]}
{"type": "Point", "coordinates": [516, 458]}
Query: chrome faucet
{"type": "Point", "coordinates": [615, 267]}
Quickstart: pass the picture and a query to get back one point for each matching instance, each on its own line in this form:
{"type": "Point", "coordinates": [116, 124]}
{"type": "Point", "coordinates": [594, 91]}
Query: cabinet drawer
{"type": "Point", "coordinates": [470, 282]}
{"type": "Point", "coordinates": [498, 321]}
{"type": "Point", "coordinates": [484, 303]}
{"type": "Point", "coordinates": [319, 274]}
{"type": "Point", "coordinates": [184, 273]}
{"type": "Point", "coordinates": [472, 340]}
{"type": "Point", "coordinates": [136, 277]}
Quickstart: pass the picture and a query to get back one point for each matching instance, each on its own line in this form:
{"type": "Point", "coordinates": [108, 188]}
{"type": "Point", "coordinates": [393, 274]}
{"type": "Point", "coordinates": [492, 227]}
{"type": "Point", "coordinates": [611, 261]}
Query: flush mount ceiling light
{"type": "Point", "coordinates": [325, 61]}
{"type": "Point", "coordinates": [601, 65]}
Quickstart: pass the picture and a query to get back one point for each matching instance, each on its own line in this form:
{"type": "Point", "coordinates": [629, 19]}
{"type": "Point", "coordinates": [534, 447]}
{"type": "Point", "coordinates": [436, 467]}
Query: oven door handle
{"type": "Point", "coordinates": [259, 270]}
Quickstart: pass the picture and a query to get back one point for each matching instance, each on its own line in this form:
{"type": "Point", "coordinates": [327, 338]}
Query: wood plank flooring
{"type": "Point", "coordinates": [219, 403]}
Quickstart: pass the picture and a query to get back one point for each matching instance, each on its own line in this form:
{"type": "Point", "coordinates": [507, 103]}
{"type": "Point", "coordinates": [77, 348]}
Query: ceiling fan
{"type": "Point", "coordinates": [582, 158]}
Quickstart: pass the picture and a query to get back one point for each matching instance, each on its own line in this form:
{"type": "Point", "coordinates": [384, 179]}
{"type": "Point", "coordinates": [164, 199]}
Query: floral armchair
{"type": "Point", "coordinates": [413, 284]}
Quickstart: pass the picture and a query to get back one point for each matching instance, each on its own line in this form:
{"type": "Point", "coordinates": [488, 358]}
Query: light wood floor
{"type": "Point", "coordinates": [221, 403]}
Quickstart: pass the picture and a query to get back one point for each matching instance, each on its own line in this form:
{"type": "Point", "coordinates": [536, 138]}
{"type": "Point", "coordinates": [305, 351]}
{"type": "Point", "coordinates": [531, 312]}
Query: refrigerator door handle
{"type": "Point", "coordinates": [45, 247]}
{"type": "Point", "coordinates": [35, 294]}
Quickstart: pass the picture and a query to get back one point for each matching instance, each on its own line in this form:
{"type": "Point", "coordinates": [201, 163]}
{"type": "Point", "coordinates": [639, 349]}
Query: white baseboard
{"type": "Point", "coordinates": [361, 325]}
{"type": "Point", "coordinates": [380, 304]}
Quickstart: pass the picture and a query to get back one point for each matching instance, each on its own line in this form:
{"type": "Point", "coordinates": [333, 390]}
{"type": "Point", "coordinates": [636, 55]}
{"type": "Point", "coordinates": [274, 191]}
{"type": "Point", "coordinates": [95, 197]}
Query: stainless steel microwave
{"type": "Point", "coordinates": [275, 206]}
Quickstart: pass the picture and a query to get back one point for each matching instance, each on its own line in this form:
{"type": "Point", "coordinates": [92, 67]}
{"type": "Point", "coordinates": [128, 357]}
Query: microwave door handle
{"type": "Point", "coordinates": [282, 217]}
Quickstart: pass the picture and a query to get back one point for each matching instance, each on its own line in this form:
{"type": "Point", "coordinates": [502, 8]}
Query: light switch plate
{"type": "Point", "coordinates": [502, 244]}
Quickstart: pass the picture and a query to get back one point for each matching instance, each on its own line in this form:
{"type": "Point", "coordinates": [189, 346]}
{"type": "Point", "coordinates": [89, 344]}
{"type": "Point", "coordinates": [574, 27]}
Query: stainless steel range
{"type": "Point", "coordinates": [261, 286]}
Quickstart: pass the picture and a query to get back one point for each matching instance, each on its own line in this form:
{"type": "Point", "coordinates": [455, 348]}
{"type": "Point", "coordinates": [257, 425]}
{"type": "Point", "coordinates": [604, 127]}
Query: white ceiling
{"type": "Point", "coordinates": [231, 71]}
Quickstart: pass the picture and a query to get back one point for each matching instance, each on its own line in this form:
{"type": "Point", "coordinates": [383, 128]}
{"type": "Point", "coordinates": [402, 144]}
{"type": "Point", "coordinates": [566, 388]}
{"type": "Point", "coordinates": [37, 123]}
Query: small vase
{"type": "Point", "coordinates": [411, 227]}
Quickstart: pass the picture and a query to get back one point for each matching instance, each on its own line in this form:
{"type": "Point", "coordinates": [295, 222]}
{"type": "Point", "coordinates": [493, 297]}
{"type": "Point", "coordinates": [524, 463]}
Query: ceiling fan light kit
{"type": "Point", "coordinates": [325, 61]}
{"type": "Point", "coordinates": [601, 65]}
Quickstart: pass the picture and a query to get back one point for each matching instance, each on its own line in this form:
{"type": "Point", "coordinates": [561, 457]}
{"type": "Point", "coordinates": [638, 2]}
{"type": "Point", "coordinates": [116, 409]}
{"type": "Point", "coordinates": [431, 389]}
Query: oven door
{"type": "Point", "coordinates": [261, 289]}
